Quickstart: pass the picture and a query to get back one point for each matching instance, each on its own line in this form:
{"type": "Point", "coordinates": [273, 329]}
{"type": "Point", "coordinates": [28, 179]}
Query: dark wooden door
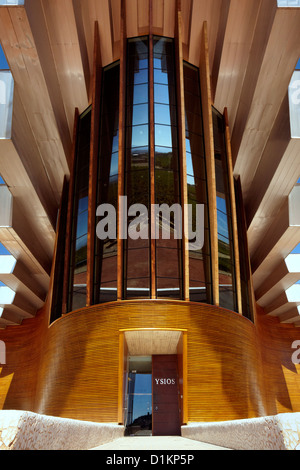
{"type": "Point", "coordinates": [165, 396]}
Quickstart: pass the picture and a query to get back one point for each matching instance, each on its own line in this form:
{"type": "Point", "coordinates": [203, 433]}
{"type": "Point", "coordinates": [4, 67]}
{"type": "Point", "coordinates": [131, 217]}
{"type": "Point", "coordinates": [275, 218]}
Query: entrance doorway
{"type": "Point", "coordinates": [153, 381]}
{"type": "Point", "coordinates": [153, 396]}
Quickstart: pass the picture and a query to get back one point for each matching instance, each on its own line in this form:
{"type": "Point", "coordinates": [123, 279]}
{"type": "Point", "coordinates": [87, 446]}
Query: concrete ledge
{"type": "Point", "coordinates": [22, 430]}
{"type": "Point", "coordinates": [280, 432]}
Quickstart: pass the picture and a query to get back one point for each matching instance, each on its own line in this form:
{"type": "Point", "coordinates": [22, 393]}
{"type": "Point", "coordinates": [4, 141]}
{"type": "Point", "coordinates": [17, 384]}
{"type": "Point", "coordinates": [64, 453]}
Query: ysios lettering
{"type": "Point", "coordinates": [165, 381]}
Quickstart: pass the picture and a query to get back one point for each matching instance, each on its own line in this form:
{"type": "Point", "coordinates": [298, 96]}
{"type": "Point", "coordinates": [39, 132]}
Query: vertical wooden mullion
{"type": "Point", "coordinates": [93, 166]}
{"type": "Point", "coordinates": [182, 149]}
{"type": "Point", "coordinates": [69, 218]}
{"type": "Point", "coordinates": [210, 160]}
{"type": "Point", "coordinates": [121, 378]}
{"type": "Point", "coordinates": [245, 246]}
{"type": "Point", "coordinates": [233, 214]}
{"type": "Point", "coordinates": [185, 378]}
{"type": "Point", "coordinates": [121, 166]}
{"type": "Point", "coordinates": [58, 254]}
{"type": "Point", "coordinates": [152, 158]}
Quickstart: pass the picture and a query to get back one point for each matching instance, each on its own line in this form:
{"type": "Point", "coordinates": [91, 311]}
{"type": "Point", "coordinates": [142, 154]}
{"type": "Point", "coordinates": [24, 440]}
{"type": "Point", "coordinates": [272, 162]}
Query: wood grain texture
{"type": "Point", "coordinates": [235, 369]}
{"type": "Point", "coordinates": [93, 167]}
{"type": "Point", "coordinates": [182, 148]}
{"type": "Point", "coordinates": [206, 95]}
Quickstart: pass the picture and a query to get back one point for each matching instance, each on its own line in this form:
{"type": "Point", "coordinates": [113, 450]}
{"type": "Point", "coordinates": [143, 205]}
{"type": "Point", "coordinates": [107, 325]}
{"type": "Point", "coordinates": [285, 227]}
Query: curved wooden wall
{"type": "Point", "coordinates": [235, 369]}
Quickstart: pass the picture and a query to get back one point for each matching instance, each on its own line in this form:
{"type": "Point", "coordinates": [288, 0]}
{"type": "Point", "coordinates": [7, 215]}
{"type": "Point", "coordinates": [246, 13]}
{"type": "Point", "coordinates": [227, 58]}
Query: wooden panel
{"type": "Point", "coordinates": [93, 167]}
{"type": "Point", "coordinates": [165, 397]}
{"type": "Point", "coordinates": [69, 216]}
{"type": "Point", "coordinates": [182, 149]}
{"type": "Point", "coordinates": [210, 160]}
{"type": "Point", "coordinates": [281, 376]}
{"type": "Point", "coordinates": [233, 213]}
{"type": "Point", "coordinates": [76, 361]}
{"type": "Point", "coordinates": [236, 45]}
{"type": "Point", "coordinates": [261, 108]}
{"type": "Point", "coordinates": [151, 342]}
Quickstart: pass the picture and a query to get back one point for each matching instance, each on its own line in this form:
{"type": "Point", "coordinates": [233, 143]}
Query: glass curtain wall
{"type": "Point", "coordinates": [167, 177]}
{"type": "Point", "coordinates": [105, 276]}
{"type": "Point", "coordinates": [200, 288]}
{"type": "Point", "coordinates": [78, 258]}
{"type": "Point", "coordinates": [137, 186]}
{"type": "Point", "coordinates": [163, 188]}
{"type": "Point", "coordinates": [227, 285]}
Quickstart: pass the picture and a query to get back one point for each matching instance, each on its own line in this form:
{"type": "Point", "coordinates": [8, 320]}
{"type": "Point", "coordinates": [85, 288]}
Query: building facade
{"type": "Point", "coordinates": [149, 188]}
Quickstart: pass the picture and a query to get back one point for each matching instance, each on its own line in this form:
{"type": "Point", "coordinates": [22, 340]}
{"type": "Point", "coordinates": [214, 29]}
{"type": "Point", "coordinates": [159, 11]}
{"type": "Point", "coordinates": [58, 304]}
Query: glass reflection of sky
{"type": "Point", "coordinates": [163, 136]}
{"type": "Point", "coordinates": [222, 219]}
{"type": "Point", "coordinates": [161, 94]}
{"type": "Point", "coordinates": [142, 404]}
{"type": "Point", "coordinates": [162, 114]}
{"type": "Point", "coordinates": [140, 76]}
{"type": "Point", "coordinates": [139, 136]}
{"type": "Point", "coordinates": [83, 204]}
{"type": "Point", "coordinates": [140, 114]}
{"type": "Point", "coordinates": [140, 94]}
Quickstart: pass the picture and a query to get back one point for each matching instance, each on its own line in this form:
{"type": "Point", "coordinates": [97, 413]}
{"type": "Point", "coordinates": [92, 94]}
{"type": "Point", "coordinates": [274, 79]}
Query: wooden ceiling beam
{"type": "Point", "coordinates": [265, 87]}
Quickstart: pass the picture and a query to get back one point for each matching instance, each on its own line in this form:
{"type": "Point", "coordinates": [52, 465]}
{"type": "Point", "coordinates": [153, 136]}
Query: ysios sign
{"type": "Point", "coordinates": [165, 381]}
{"type": "Point", "coordinates": [166, 221]}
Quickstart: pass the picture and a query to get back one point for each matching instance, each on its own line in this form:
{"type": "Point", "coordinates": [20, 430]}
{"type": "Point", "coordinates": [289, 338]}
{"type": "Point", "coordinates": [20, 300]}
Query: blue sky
{"type": "Point", "coordinates": [3, 62]}
{"type": "Point", "coordinates": [3, 250]}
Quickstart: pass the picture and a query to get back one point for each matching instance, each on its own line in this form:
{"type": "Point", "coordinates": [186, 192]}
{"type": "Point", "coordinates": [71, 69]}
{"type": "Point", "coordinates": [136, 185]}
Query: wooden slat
{"type": "Point", "coordinates": [182, 148]}
{"type": "Point", "coordinates": [56, 280]}
{"type": "Point", "coordinates": [69, 218]}
{"type": "Point", "coordinates": [210, 159]}
{"type": "Point", "coordinates": [93, 167]}
{"type": "Point", "coordinates": [233, 213]}
{"type": "Point", "coordinates": [121, 379]}
{"type": "Point", "coordinates": [220, 344]}
{"type": "Point", "coordinates": [243, 240]}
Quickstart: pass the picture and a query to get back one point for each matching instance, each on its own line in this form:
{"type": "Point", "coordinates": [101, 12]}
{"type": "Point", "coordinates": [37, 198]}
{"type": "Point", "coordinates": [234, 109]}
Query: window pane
{"type": "Point", "coordinates": [136, 251]}
{"type": "Point", "coordinates": [165, 136]}
{"type": "Point", "coordinates": [164, 94]}
{"type": "Point", "coordinates": [78, 249]}
{"type": "Point", "coordinates": [137, 94]}
{"type": "Point", "coordinates": [199, 260]}
{"type": "Point", "coordinates": [107, 192]}
{"type": "Point", "coordinates": [138, 114]}
{"type": "Point", "coordinates": [137, 136]}
{"type": "Point", "coordinates": [227, 289]}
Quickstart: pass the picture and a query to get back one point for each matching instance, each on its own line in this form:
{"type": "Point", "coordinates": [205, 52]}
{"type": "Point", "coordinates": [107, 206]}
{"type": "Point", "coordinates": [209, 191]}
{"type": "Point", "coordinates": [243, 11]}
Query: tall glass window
{"type": "Point", "coordinates": [227, 285]}
{"type": "Point", "coordinates": [105, 278]}
{"type": "Point", "coordinates": [137, 187]}
{"type": "Point", "coordinates": [152, 121]}
{"type": "Point", "coordinates": [167, 178]}
{"type": "Point", "coordinates": [78, 260]}
{"type": "Point", "coordinates": [199, 259]}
